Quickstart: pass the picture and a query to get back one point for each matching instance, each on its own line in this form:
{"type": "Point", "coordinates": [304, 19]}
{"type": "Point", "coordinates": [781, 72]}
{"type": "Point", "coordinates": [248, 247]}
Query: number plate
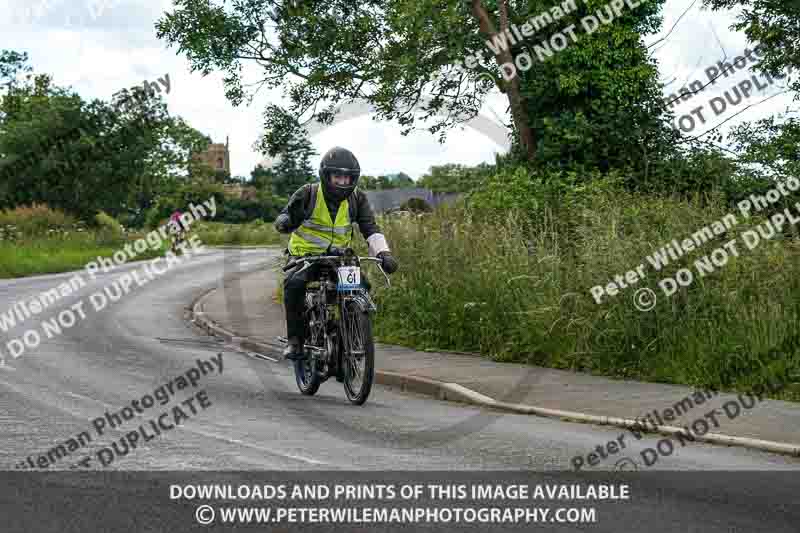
{"type": "Point", "coordinates": [349, 278]}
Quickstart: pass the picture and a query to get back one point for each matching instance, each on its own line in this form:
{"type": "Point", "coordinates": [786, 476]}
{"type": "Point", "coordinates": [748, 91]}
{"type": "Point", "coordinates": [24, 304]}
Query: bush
{"type": "Point", "coordinates": [229, 210]}
{"type": "Point", "coordinates": [108, 231]}
{"type": "Point", "coordinates": [108, 226]}
{"type": "Point", "coordinates": [53, 242]}
{"type": "Point", "coordinates": [416, 205]}
{"type": "Point", "coordinates": [35, 220]}
{"type": "Point", "coordinates": [237, 211]}
{"type": "Point", "coordinates": [194, 192]}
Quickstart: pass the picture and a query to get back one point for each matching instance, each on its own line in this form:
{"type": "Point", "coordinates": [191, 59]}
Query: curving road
{"type": "Point", "coordinates": [254, 419]}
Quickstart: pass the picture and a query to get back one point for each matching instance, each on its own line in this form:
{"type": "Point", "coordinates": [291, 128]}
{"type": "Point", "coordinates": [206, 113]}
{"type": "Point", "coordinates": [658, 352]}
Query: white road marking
{"type": "Point", "coordinates": [82, 397]}
{"type": "Point", "coordinates": [261, 356]}
{"type": "Point", "coordinates": [260, 448]}
{"type": "Point", "coordinates": [270, 451]}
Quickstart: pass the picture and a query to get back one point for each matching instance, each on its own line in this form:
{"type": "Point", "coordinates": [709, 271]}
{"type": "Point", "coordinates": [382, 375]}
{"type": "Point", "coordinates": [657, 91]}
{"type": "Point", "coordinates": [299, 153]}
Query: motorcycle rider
{"type": "Point", "coordinates": [320, 215]}
{"type": "Point", "coordinates": [179, 231]}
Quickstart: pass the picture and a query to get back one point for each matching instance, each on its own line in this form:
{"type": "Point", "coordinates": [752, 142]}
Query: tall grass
{"type": "Point", "coordinates": [39, 240]}
{"type": "Point", "coordinates": [518, 289]}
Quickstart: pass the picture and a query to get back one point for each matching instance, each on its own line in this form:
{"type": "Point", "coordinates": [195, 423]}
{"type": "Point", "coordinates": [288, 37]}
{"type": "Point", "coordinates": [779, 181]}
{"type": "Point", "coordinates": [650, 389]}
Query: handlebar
{"type": "Point", "coordinates": [309, 259]}
{"type": "Point", "coordinates": [317, 258]}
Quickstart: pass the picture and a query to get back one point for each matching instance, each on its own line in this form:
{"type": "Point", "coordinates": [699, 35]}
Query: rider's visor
{"type": "Point", "coordinates": [342, 180]}
{"type": "Point", "coordinates": [352, 173]}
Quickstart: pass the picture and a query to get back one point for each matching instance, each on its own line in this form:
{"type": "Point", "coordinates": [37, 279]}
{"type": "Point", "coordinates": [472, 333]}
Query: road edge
{"type": "Point", "coordinates": [458, 393]}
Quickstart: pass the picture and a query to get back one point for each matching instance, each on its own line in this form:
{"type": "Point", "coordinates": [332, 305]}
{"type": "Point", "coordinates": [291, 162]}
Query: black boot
{"type": "Point", "coordinates": [294, 351]}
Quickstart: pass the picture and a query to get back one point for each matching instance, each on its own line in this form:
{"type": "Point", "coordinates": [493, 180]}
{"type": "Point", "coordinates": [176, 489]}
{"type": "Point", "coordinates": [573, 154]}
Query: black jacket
{"type": "Point", "coordinates": [300, 204]}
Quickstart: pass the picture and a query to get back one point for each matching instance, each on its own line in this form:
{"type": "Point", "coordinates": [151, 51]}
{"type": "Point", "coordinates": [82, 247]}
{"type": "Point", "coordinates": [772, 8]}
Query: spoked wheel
{"type": "Point", "coordinates": [358, 354]}
{"type": "Point", "coordinates": [306, 372]}
{"type": "Point", "coordinates": [307, 376]}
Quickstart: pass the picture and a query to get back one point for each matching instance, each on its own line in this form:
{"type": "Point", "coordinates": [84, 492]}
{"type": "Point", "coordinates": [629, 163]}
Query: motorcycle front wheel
{"type": "Point", "coordinates": [358, 352]}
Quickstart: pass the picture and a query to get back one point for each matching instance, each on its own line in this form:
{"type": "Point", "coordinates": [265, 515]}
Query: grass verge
{"type": "Point", "coordinates": [518, 289]}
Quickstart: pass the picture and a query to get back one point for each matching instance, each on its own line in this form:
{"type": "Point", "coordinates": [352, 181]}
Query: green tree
{"type": "Point", "coordinates": [455, 178]}
{"type": "Point", "coordinates": [190, 191]}
{"type": "Point", "coordinates": [404, 181]}
{"type": "Point", "coordinates": [771, 145]}
{"type": "Point", "coordinates": [52, 154]}
{"type": "Point", "coordinates": [288, 142]}
{"type": "Point", "coordinates": [383, 183]}
{"type": "Point", "coordinates": [392, 53]}
{"type": "Point", "coordinates": [367, 182]}
{"type": "Point", "coordinates": [261, 178]}
{"type": "Point", "coordinates": [598, 103]}
{"type": "Point", "coordinates": [85, 157]}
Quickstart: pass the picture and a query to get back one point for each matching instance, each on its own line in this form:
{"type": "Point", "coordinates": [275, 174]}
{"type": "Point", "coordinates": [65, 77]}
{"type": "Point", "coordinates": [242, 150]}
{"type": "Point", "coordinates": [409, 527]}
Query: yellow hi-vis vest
{"type": "Point", "coordinates": [315, 234]}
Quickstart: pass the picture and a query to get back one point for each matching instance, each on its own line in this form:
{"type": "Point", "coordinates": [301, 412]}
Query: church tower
{"type": "Point", "coordinates": [217, 156]}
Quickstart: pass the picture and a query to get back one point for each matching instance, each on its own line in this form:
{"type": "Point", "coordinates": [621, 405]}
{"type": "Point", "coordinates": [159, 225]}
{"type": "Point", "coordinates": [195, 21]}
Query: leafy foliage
{"type": "Point", "coordinates": [455, 178]}
{"type": "Point", "coordinates": [85, 157]}
{"type": "Point", "coordinates": [35, 220]}
{"type": "Point", "coordinates": [416, 205]}
{"type": "Point", "coordinates": [261, 178]}
{"type": "Point", "coordinates": [190, 192]}
{"type": "Point", "coordinates": [327, 51]}
{"type": "Point", "coordinates": [400, 180]}
{"type": "Point", "coordinates": [597, 103]}
{"type": "Point", "coordinates": [238, 211]}
{"type": "Point", "coordinates": [294, 151]}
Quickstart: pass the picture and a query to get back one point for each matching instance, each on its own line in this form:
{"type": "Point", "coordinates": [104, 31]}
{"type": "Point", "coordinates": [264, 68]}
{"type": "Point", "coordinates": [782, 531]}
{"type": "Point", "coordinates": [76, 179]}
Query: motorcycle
{"type": "Point", "coordinates": [338, 324]}
{"type": "Point", "coordinates": [176, 241]}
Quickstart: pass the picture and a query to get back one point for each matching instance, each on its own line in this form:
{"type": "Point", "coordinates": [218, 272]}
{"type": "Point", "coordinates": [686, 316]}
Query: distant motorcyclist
{"type": "Point", "coordinates": [319, 216]}
{"type": "Point", "coordinates": [179, 231]}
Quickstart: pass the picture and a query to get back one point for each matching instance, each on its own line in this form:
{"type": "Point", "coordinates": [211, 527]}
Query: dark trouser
{"type": "Point", "coordinates": [294, 293]}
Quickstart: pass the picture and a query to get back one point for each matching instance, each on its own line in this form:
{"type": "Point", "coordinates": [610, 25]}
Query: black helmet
{"type": "Point", "coordinates": [340, 161]}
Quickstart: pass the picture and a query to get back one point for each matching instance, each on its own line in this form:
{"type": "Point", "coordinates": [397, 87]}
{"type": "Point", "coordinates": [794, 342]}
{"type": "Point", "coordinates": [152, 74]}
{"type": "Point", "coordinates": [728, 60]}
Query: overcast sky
{"type": "Point", "coordinates": [101, 46]}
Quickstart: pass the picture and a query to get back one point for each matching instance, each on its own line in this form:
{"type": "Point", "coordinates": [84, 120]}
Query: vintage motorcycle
{"type": "Point", "coordinates": [338, 315]}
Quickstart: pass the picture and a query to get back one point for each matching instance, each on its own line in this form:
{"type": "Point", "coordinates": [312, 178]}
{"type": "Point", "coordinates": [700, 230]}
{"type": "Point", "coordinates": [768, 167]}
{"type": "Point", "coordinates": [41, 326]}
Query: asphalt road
{"type": "Point", "coordinates": [254, 418]}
